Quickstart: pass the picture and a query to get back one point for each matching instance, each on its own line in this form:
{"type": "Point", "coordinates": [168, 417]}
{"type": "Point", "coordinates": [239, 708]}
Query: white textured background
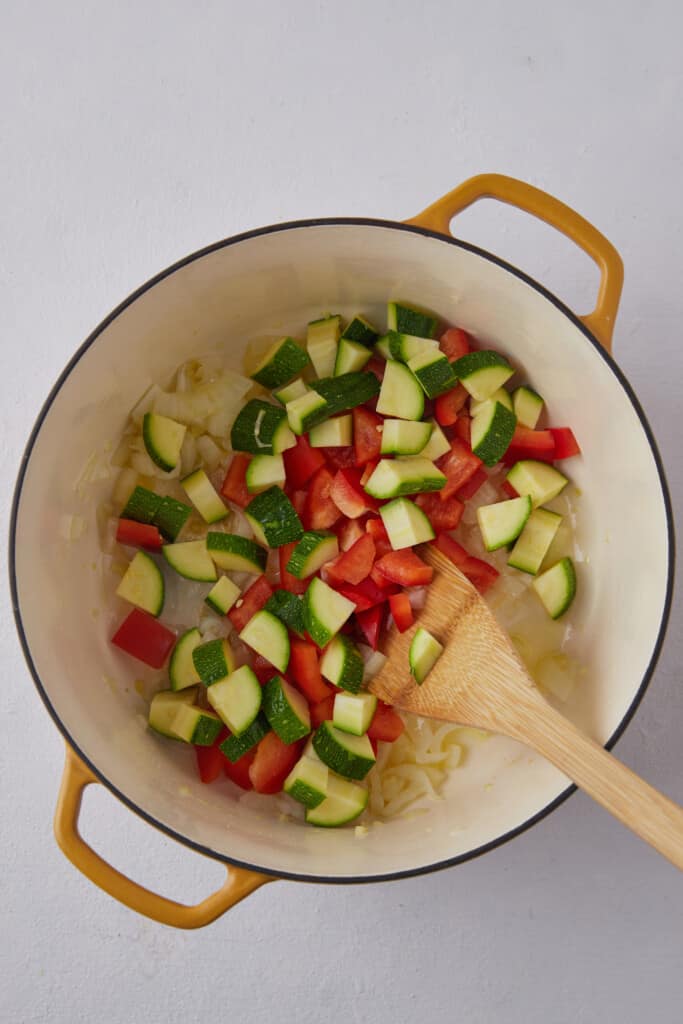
{"type": "Point", "coordinates": [132, 133]}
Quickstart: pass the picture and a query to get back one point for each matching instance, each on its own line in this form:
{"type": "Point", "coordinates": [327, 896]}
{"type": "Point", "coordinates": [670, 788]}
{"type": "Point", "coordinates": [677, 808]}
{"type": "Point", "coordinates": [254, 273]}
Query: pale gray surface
{"type": "Point", "coordinates": [134, 133]}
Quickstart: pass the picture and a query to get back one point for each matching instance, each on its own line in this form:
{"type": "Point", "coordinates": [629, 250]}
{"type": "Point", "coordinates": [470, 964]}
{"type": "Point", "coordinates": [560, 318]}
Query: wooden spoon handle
{"type": "Point", "coordinates": [648, 813]}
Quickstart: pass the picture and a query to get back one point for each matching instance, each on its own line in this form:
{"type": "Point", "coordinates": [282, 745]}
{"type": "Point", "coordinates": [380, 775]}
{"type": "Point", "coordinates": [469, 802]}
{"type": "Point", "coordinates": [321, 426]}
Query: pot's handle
{"type": "Point", "coordinates": [438, 216]}
{"type": "Point", "coordinates": [239, 883]}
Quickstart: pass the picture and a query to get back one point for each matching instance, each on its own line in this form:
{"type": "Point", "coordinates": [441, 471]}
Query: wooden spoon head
{"type": "Point", "coordinates": [479, 673]}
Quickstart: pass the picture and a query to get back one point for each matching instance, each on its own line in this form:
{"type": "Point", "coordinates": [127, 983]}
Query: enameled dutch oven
{"type": "Point", "coordinates": [263, 282]}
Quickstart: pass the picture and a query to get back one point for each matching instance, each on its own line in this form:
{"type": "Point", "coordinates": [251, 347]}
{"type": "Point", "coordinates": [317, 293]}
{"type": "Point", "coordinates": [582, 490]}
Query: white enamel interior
{"type": "Point", "coordinates": [276, 282]}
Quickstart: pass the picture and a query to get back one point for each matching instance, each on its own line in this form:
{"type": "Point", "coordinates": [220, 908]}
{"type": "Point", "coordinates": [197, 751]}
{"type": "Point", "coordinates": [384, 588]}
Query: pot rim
{"type": "Point", "coordinates": [147, 286]}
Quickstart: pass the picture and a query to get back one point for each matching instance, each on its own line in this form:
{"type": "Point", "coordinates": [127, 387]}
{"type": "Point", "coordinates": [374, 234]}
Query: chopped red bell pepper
{"type": "Point", "coordinates": [239, 771]}
{"type": "Point", "coordinates": [298, 500]}
{"type": "Point", "coordinates": [340, 458]}
{"type": "Point", "coordinates": [380, 580]}
{"type": "Point", "coordinates": [459, 464]}
{"type": "Point", "coordinates": [348, 532]}
{"type": "Point", "coordinates": [401, 611]}
{"type": "Point", "coordinates": [287, 581]}
{"type": "Point", "coordinates": [376, 366]}
{"type": "Point", "coordinates": [353, 565]}
{"type": "Point", "coordinates": [530, 444]}
{"type": "Point", "coordinates": [304, 670]}
{"type": "Point", "coordinates": [367, 435]}
{"type": "Point", "coordinates": [405, 568]}
{"type": "Point", "coordinates": [144, 637]}
{"type": "Point", "coordinates": [377, 530]}
{"type": "Point", "coordinates": [469, 489]}
{"type": "Point", "coordinates": [323, 711]}
{"type": "Point", "coordinates": [301, 462]}
{"type": "Point", "coordinates": [348, 495]}
{"type": "Point", "coordinates": [272, 763]}
{"type": "Point", "coordinates": [447, 407]}
{"type": "Point", "coordinates": [479, 573]}
{"type": "Point", "coordinates": [463, 429]}
{"type": "Point", "coordinates": [235, 484]}
{"type": "Point", "coordinates": [262, 668]}
{"type": "Point", "coordinates": [443, 515]}
{"type": "Point", "coordinates": [251, 601]}
{"type": "Point", "coordinates": [370, 624]}
{"type": "Point", "coordinates": [210, 759]}
{"type": "Point", "coordinates": [139, 535]}
{"type": "Point", "coordinates": [320, 512]}
{"type": "Point", "coordinates": [368, 470]}
{"type": "Point", "coordinates": [566, 444]}
{"type": "Point", "coordinates": [454, 343]}
{"type": "Point", "coordinates": [386, 725]}
{"type": "Point", "coordinates": [508, 489]}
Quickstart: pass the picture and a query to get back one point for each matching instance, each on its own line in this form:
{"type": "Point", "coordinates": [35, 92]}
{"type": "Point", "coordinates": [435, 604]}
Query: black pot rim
{"type": "Point", "coordinates": [233, 240]}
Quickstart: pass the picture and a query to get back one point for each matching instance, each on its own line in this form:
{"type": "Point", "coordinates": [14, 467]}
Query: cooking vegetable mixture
{"type": "Point", "coordinates": [347, 454]}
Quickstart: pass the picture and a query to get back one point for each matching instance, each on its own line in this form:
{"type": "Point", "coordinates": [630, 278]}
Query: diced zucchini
{"type": "Point", "coordinates": [406, 523]}
{"type": "Point", "coordinates": [203, 496]}
{"type": "Point", "coordinates": [482, 373]}
{"type": "Point", "coordinates": [325, 611]}
{"type": "Point", "coordinates": [143, 584]}
{"type": "Point", "coordinates": [353, 712]}
{"type": "Point", "coordinates": [261, 428]}
{"type": "Point", "coordinates": [237, 699]}
{"type": "Point", "coordinates": [347, 391]}
{"type": "Point", "coordinates": [502, 523]}
{"type": "Point", "coordinates": [286, 710]}
{"type": "Point", "coordinates": [401, 394]}
{"type": "Point", "coordinates": [556, 587]}
{"type": "Point", "coordinates": [334, 433]}
{"type": "Point", "coordinates": [163, 439]}
{"type": "Point", "coordinates": [410, 320]}
{"type": "Point", "coordinates": [434, 373]}
{"type": "Point", "coordinates": [425, 651]}
{"type": "Point", "coordinates": [501, 395]}
{"type": "Point", "coordinates": [344, 801]}
{"type": "Point", "coordinates": [213, 660]}
{"type": "Point", "coordinates": [170, 517]}
{"type": "Point", "coordinates": [437, 445]}
{"type": "Point", "coordinates": [313, 550]}
{"type": "Point", "coordinates": [273, 518]}
{"type": "Point", "coordinates": [535, 539]}
{"type": "Point", "coordinates": [342, 664]}
{"type": "Point", "coordinates": [195, 725]}
{"type": "Point", "coordinates": [321, 341]}
{"type": "Point", "coordinates": [291, 391]}
{"type": "Point", "coordinates": [234, 553]}
{"type": "Point", "coordinates": [288, 608]}
{"type": "Point", "coordinates": [352, 356]}
{"type": "Point", "coordinates": [164, 708]}
{"type": "Point", "coordinates": [527, 405]}
{"type": "Point", "coordinates": [392, 477]}
{"type": "Point", "coordinates": [382, 347]}
{"type": "Point", "coordinates": [236, 747]}
{"type": "Point", "coordinates": [304, 412]}
{"type": "Point", "coordinates": [181, 670]}
{"type": "Point", "coordinates": [491, 432]}
{"type": "Point", "coordinates": [223, 595]}
{"type": "Point", "coordinates": [191, 559]}
{"type": "Point", "coordinates": [406, 346]}
{"type": "Point", "coordinates": [307, 781]}
{"type": "Point", "coordinates": [268, 636]}
{"type": "Point", "coordinates": [404, 437]}
{"type": "Point", "coordinates": [265, 471]}
{"type": "Point", "coordinates": [537, 479]}
{"type": "Point", "coordinates": [349, 756]}
{"type": "Point", "coordinates": [282, 361]}
{"type": "Point", "coordinates": [141, 506]}
{"type": "Point", "coordinates": [360, 329]}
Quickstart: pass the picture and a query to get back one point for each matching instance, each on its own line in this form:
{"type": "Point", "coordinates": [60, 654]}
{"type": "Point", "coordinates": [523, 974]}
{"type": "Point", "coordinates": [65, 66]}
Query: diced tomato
{"type": "Point", "coordinates": [447, 407]}
{"type": "Point", "coordinates": [239, 771]}
{"type": "Point", "coordinates": [377, 530]}
{"type": "Point", "coordinates": [401, 611]}
{"type": "Point", "coordinates": [367, 435]}
{"type": "Point", "coordinates": [143, 637]}
{"type": "Point", "coordinates": [235, 484]}
{"type": "Point", "coordinates": [370, 624]}
{"type": "Point", "coordinates": [473, 484]}
{"type": "Point", "coordinates": [530, 444]}
{"type": "Point", "coordinates": [301, 462]}
{"type": "Point", "coordinates": [454, 343]}
{"type": "Point", "coordinates": [210, 759]}
{"type": "Point", "coordinates": [463, 429]}
{"type": "Point", "coordinates": [405, 568]}
{"type": "Point", "coordinates": [348, 533]}
{"type": "Point", "coordinates": [566, 444]}
{"type": "Point", "coordinates": [322, 711]}
{"type": "Point", "coordinates": [459, 464]}
{"type": "Point", "coordinates": [287, 581]}
{"type": "Point", "coordinates": [272, 764]}
{"type": "Point", "coordinates": [443, 515]}
{"type": "Point", "coordinates": [305, 671]}
{"type": "Point", "coordinates": [479, 573]}
{"type": "Point", "coordinates": [353, 565]}
{"type": "Point", "coordinates": [263, 670]}
{"type": "Point", "coordinates": [368, 470]}
{"type": "Point", "coordinates": [251, 601]}
{"type": "Point", "coordinates": [349, 496]}
{"type": "Point", "coordinates": [340, 458]}
{"type": "Point", "coordinates": [320, 512]}
{"type": "Point", "coordinates": [376, 366]}
{"type": "Point", "coordinates": [386, 725]}
{"type": "Point", "coordinates": [508, 489]}
{"type": "Point", "coordinates": [139, 535]}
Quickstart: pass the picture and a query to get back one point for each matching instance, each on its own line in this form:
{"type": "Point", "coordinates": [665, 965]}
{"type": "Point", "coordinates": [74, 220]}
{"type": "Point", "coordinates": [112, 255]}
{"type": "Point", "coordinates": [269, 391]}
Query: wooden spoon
{"type": "Point", "coordinates": [480, 681]}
